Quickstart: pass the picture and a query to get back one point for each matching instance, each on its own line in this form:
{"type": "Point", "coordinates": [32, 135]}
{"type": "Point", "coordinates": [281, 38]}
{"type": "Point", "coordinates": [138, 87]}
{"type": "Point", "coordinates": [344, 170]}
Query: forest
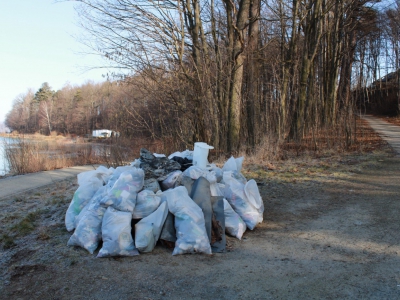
{"type": "Point", "coordinates": [235, 74]}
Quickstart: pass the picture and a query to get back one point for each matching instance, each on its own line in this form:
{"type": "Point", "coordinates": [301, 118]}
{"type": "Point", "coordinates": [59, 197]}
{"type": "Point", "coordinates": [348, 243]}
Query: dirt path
{"type": "Point", "coordinates": [330, 231]}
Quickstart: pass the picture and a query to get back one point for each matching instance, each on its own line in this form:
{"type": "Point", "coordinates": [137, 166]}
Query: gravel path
{"type": "Point", "coordinates": [389, 132]}
{"type": "Point", "coordinates": [22, 183]}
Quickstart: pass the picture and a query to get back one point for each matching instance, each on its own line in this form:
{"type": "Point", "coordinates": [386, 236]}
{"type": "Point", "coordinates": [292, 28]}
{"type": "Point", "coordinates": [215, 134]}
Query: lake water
{"type": "Point", "coordinates": [4, 169]}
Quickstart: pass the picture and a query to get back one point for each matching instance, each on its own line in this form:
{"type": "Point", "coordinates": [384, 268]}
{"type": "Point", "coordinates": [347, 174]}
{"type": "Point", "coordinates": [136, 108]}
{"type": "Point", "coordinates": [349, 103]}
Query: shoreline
{"type": "Point", "coordinates": [34, 153]}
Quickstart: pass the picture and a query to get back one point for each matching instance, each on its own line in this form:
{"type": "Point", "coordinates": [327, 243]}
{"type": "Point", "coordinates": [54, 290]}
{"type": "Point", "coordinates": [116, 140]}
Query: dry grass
{"type": "Point", "coordinates": [323, 148]}
{"type": "Point", "coordinates": [326, 143]}
{"type": "Point", "coordinates": [28, 156]}
{"type": "Point", "coordinates": [34, 153]}
{"type": "Point", "coordinates": [368, 150]}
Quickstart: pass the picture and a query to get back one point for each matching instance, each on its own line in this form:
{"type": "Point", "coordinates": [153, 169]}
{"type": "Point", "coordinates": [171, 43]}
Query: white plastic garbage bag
{"type": "Point", "coordinates": [146, 203]}
{"type": "Point", "coordinates": [122, 195]}
{"type": "Point", "coordinates": [230, 165]}
{"type": "Point", "coordinates": [148, 230]}
{"type": "Point", "coordinates": [254, 197]}
{"type": "Point", "coordinates": [189, 222]}
{"type": "Point", "coordinates": [152, 185]}
{"type": "Point", "coordinates": [81, 214]}
{"type": "Point", "coordinates": [194, 172]}
{"type": "Point", "coordinates": [81, 198]}
{"type": "Point", "coordinates": [171, 180]}
{"type": "Point", "coordinates": [234, 225]}
{"type": "Point", "coordinates": [233, 164]}
{"type": "Point", "coordinates": [235, 194]}
{"type": "Point", "coordinates": [216, 190]}
{"type": "Point", "coordinates": [159, 155]}
{"type": "Point", "coordinates": [185, 154]}
{"type": "Point", "coordinates": [239, 163]}
{"type": "Point", "coordinates": [88, 231]}
{"type": "Point", "coordinates": [239, 177]}
{"type": "Point", "coordinates": [101, 173]}
{"type": "Point", "coordinates": [101, 192]}
{"type": "Point", "coordinates": [117, 172]}
{"type": "Point", "coordinates": [218, 172]}
{"type": "Point", "coordinates": [136, 163]}
{"type": "Point", "coordinates": [116, 234]}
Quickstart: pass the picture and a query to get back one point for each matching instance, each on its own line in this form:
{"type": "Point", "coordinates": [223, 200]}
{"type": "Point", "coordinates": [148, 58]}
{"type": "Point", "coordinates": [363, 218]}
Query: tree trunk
{"type": "Point", "coordinates": [235, 101]}
{"type": "Point", "coordinates": [253, 98]}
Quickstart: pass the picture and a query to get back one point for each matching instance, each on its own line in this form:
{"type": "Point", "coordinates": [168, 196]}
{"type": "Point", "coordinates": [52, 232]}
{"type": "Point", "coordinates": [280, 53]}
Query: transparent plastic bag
{"type": "Point", "coordinates": [239, 176]}
{"type": "Point", "coordinates": [234, 225]}
{"type": "Point", "coordinates": [185, 154]}
{"type": "Point", "coordinates": [235, 194]}
{"type": "Point", "coordinates": [171, 180]}
{"type": "Point", "coordinates": [254, 197]}
{"type": "Point", "coordinates": [81, 214]}
{"type": "Point", "coordinates": [239, 163]}
{"type": "Point", "coordinates": [81, 198]}
{"type": "Point", "coordinates": [215, 187]}
{"type": "Point", "coordinates": [159, 155]}
{"type": "Point", "coordinates": [215, 190]}
{"type": "Point", "coordinates": [148, 230]}
{"type": "Point", "coordinates": [218, 172]}
{"type": "Point", "coordinates": [117, 173]}
{"type": "Point", "coordinates": [122, 195]}
{"type": "Point", "coordinates": [136, 163]}
{"type": "Point", "coordinates": [146, 203]}
{"type": "Point", "coordinates": [101, 173]}
{"type": "Point", "coordinates": [116, 234]}
{"type": "Point", "coordinates": [194, 172]}
{"type": "Point", "coordinates": [100, 193]}
{"type": "Point", "coordinates": [189, 222]}
{"type": "Point", "coordinates": [88, 231]}
{"type": "Point", "coordinates": [152, 185]}
{"type": "Point", "coordinates": [233, 164]}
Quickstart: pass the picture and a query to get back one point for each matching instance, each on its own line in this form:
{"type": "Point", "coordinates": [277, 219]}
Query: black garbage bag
{"type": "Point", "coordinates": [184, 162]}
{"type": "Point", "coordinates": [156, 167]}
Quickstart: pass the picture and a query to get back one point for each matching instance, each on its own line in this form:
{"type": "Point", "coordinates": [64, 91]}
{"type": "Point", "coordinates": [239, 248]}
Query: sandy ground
{"type": "Point", "coordinates": [331, 231]}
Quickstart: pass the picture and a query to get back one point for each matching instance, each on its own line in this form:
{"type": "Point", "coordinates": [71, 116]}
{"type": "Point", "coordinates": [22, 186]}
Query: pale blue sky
{"type": "Point", "coordinates": [37, 45]}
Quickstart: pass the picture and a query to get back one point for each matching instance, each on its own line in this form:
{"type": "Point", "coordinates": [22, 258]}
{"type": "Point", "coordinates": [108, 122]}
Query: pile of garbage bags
{"type": "Point", "coordinates": [128, 209]}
